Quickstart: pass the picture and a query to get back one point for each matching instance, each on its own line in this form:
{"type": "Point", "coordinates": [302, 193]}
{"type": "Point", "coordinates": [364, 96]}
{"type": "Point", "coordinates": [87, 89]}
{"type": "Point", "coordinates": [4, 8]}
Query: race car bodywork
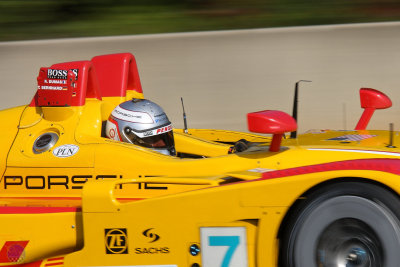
{"type": "Point", "coordinates": [71, 197]}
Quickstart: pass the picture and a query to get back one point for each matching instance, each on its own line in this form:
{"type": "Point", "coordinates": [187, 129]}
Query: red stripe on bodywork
{"type": "Point", "coordinates": [28, 207]}
{"type": "Point", "coordinates": [12, 251]}
{"type": "Point", "coordinates": [54, 263]}
{"type": "Point", "coordinates": [55, 259]}
{"type": "Point", "coordinates": [384, 165]}
{"type": "Point", "coordinates": [31, 264]}
{"type": "Point", "coordinates": [38, 263]}
{"type": "Point", "coordinates": [43, 198]}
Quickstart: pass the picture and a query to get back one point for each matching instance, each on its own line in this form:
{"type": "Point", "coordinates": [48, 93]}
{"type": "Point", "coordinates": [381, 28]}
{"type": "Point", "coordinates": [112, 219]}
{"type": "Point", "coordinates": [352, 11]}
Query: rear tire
{"type": "Point", "coordinates": [348, 224]}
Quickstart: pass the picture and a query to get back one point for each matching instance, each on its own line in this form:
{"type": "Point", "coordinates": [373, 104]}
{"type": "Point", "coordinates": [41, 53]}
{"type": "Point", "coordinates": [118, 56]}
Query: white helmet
{"type": "Point", "coordinates": [143, 123]}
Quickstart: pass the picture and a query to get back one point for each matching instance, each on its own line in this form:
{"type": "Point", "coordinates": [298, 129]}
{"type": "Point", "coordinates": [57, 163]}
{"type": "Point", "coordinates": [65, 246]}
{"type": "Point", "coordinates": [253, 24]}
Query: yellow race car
{"type": "Point", "coordinates": [70, 196]}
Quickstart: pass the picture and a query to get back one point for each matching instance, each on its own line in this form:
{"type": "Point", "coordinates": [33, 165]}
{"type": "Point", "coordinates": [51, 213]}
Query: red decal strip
{"type": "Point", "coordinates": [384, 165]}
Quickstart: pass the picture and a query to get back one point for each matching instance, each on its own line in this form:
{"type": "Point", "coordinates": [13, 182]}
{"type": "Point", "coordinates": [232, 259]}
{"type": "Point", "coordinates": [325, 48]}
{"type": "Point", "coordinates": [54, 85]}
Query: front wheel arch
{"type": "Point", "coordinates": [366, 189]}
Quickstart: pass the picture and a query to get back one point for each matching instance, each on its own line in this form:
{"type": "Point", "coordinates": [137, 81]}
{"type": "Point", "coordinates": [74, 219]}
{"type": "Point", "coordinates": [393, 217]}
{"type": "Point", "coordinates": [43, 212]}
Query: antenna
{"type": "Point", "coordinates": [391, 133]}
{"type": "Point", "coordinates": [185, 129]}
{"type": "Point", "coordinates": [344, 116]}
{"type": "Point", "coordinates": [295, 101]}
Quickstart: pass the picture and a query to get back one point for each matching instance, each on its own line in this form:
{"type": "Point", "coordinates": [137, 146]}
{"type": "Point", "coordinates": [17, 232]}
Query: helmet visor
{"type": "Point", "coordinates": [164, 140]}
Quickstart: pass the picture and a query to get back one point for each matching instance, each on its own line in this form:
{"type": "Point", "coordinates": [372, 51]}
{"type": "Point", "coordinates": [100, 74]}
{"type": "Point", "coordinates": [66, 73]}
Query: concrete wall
{"type": "Point", "coordinates": [224, 75]}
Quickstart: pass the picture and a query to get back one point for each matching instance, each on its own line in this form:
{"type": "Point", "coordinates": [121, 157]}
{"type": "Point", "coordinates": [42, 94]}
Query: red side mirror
{"type": "Point", "coordinates": [371, 99]}
{"type": "Point", "coordinates": [271, 122]}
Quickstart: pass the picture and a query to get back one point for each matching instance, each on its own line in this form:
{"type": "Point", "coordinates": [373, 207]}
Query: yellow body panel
{"type": "Point", "coordinates": [258, 206]}
{"type": "Point", "coordinates": [175, 197]}
{"type": "Point", "coordinates": [49, 235]}
{"type": "Point", "coordinates": [11, 119]}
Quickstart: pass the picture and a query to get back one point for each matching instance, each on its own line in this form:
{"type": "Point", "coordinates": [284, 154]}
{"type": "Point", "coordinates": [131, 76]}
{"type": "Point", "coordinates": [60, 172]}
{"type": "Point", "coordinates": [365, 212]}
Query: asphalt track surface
{"type": "Point", "coordinates": [226, 74]}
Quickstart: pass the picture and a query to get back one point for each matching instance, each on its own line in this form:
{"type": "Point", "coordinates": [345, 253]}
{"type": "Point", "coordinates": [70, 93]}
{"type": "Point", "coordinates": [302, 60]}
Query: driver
{"type": "Point", "coordinates": [143, 123]}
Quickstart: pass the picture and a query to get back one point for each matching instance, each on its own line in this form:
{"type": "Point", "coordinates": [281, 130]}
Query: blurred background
{"type": "Point", "coordinates": [224, 57]}
{"type": "Point", "coordinates": [43, 19]}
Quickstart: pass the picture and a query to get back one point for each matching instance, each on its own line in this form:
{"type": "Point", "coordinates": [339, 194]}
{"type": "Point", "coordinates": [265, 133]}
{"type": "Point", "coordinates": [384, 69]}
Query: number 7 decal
{"type": "Point", "coordinates": [231, 242]}
{"type": "Point", "coordinates": [223, 246]}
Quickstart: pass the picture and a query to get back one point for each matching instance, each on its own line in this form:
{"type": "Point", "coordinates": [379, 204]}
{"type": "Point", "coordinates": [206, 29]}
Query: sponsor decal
{"type": "Point", "coordinates": [194, 249]}
{"type": "Point", "coordinates": [60, 74]}
{"type": "Point", "coordinates": [153, 132]}
{"type": "Point", "coordinates": [148, 233]}
{"type": "Point", "coordinates": [35, 182]}
{"type": "Point", "coordinates": [151, 238]}
{"type": "Point", "coordinates": [152, 250]}
{"type": "Point", "coordinates": [131, 116]}
{"type": "Point", "coordinates": [13, 251]}
{"type": "Point", "coordinates": [111, 133]}
{"type": "Point", "coordinates": [116, 240]}
{"type": "Point", "coordinates": [65, 151]}
{"type": "Point", "coordinates": [159, 118]}
{"type": "Point", "coordinates": [148, 133]}
{"type": "Point", "coordinates": [111, 130]}
{"type": "Point", "coordinates": [164, 129]}
{"type": "Point", "coordinates": [56, 79]}
{"type": "Point", "coordinates": [351, 137]}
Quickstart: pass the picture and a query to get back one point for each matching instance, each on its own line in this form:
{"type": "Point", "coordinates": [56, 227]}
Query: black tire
{"type": "Point", "coordinates": [348, 224]}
